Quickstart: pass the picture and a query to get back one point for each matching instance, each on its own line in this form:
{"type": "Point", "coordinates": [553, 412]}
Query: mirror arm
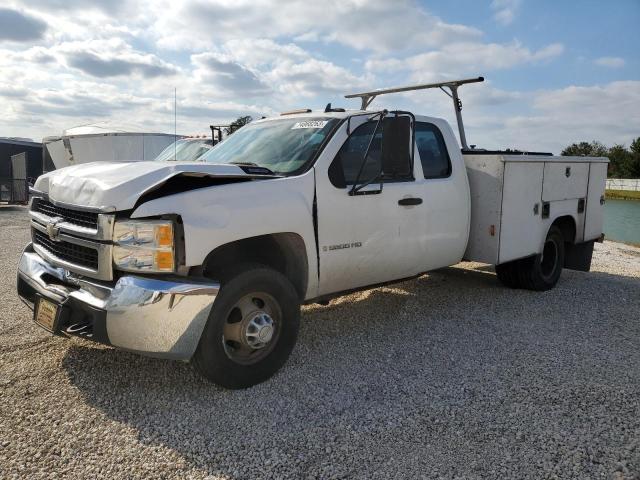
{"type": "Point", "coordinates": [356, 187]}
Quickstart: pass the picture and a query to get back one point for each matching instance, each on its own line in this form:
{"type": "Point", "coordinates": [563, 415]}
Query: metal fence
{"type": "Point", "coordinates": [629, 184]}
{"type": "Point", "coordinates": [16, 188]}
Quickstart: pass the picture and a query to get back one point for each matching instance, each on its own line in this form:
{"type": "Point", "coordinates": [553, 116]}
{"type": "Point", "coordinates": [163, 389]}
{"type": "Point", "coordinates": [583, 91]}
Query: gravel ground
{"type": "Point", "coordinates": [447, 376]}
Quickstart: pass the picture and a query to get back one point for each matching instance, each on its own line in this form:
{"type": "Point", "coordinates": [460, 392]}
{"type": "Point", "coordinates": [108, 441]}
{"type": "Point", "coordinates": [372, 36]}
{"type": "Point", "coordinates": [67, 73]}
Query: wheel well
{"type": "Point", "coordinates": [567, 226]}
{"type": "Point", "coordinates": [284, 252]}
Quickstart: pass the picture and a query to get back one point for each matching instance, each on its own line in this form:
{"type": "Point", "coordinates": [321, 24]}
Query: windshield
{"type": "Point", "coordinates": [185, 150]}
{"type": "Point", "coordinates": [282, 146]}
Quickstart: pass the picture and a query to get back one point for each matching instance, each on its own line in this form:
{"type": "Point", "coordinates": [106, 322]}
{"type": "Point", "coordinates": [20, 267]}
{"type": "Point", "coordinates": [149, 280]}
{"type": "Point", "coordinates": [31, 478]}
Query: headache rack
{"type": "Point", "coordinates": [367, 98]}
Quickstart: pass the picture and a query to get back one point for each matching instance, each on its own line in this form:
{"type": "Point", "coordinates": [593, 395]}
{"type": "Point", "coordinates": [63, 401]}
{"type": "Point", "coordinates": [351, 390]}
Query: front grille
{"type": "Point", "coordinates": [76, 217]}
{"type": "Point", "coordinates": [70, 252]}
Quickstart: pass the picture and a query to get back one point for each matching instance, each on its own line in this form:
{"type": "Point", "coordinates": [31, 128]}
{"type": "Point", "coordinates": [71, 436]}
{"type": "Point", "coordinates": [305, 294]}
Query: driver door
{"type": "Point", "coordinates": [372, 237]}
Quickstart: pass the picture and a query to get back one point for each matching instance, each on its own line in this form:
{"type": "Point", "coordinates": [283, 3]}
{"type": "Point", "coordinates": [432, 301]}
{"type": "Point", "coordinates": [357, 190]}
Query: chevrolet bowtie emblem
{"type": "Point", "coordinates": [53, 230]}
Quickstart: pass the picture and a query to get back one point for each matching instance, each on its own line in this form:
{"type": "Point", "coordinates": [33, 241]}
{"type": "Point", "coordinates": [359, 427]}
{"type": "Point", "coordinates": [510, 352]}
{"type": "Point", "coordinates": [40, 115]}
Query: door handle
{"type": "Point", "coordinates": [409, 201]}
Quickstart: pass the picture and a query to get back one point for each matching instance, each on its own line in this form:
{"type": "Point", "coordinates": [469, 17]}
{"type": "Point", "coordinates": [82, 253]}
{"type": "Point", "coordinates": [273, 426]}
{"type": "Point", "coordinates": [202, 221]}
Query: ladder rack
{"type": "Point", "coordinates": [368, 97]}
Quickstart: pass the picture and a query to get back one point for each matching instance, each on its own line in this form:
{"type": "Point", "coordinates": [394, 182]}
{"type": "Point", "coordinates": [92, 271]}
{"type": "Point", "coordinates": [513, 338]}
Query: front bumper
{"type": "Point", "coordinates": [156, 317]}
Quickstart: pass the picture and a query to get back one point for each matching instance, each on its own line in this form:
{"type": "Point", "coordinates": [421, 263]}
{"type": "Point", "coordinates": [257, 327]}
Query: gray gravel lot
{"type": "Point", "coordinates": [447, 376]}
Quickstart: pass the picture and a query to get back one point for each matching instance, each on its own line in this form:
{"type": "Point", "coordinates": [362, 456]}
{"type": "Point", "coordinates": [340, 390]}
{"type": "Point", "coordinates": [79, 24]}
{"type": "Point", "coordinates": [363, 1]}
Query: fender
{"type": "Point", "coordinates": [215, 216]}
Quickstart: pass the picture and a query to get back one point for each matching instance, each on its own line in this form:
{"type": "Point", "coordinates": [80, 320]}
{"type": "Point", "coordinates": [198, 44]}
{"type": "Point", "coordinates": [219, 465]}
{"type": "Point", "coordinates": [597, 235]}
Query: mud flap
{"type": "Point", "coordinates": [578, 256]}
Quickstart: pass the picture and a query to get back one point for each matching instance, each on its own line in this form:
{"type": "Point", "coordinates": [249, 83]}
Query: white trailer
{"type": "Point", "coordinates": [94, 143]}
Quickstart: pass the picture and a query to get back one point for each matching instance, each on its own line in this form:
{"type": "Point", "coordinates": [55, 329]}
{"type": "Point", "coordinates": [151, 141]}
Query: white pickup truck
{"type": "Point", "coordinates": [210, 261]}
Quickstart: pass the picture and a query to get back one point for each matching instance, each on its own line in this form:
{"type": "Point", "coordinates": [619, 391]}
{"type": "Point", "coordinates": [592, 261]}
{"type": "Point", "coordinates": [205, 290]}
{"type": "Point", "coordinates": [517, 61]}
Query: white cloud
{"type": "Point", "coordinates": [556, 118]}
{"type": "Point", "coordinates": [19, 26]}
{"type": "Point", "coordinates": [119, 60]}
{"type": "Point", "coordinates": [354, 23]}
{"type": "Point", "coordinates": [228, 75]}
{"type": "Point", "coordinates": [610, 62]}
{"type": "Point", "coordinates": [505, 10]}
{"type": "Point", "coordinates": [466, 58]}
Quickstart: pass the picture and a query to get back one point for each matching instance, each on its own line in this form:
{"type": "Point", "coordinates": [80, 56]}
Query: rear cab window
{"type": "Point", "coordinates": [432, 150]}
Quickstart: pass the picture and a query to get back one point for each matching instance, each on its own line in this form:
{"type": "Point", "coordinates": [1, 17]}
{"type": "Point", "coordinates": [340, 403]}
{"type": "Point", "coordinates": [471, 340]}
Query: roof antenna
{"type": "Point", "coordinates": [175, 121]}
{"type": "Point", "coordinates": [327, 108]}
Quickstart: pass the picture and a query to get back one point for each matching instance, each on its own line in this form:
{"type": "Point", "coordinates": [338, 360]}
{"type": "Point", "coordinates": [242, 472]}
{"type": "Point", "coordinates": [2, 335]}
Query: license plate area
{"type": "Point", "coordinates": [46, 314]}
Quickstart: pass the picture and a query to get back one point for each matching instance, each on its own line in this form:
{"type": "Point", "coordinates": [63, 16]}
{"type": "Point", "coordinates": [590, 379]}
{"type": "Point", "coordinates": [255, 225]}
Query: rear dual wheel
{"type": "Point", "coordinates": [251, 330]}
{"type": "Point", "coordinates": [540, 272]}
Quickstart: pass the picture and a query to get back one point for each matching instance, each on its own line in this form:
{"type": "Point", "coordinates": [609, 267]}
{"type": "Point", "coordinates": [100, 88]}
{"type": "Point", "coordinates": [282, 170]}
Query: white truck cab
{"type": "Point", "coordinates": [209, 261]}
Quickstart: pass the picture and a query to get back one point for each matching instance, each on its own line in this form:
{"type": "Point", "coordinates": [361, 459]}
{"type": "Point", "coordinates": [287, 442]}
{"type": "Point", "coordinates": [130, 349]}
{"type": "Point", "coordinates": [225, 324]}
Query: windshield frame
{"type": "Point", "coordinates": [305, 166]}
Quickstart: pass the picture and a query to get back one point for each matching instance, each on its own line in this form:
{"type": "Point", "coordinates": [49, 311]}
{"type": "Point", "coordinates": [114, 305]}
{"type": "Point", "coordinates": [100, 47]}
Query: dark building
{"type": "Point", "coordinates": [12, 146]}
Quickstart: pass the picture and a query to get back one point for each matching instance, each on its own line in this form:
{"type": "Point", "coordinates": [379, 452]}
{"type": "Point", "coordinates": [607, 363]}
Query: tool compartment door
{"type": "Point", "coordinates": [564, 181]}
{"type": "Point", "coordinates": [521, 227]}
{"type": "Point", "coordinates": [594, 219]}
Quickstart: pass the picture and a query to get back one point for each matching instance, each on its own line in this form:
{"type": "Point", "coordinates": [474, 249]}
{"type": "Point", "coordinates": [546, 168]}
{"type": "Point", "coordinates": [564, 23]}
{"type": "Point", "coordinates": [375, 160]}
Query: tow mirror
{"type": "Point", "coordinates": [396, 146]}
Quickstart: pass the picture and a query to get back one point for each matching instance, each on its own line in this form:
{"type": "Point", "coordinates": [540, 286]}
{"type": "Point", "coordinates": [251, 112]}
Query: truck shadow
{"type": "Point", "coordinates": [362, 366]}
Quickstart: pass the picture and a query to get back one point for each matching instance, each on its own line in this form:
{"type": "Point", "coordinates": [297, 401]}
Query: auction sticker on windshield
{"type": "Point", "coordinates": [310, 124]}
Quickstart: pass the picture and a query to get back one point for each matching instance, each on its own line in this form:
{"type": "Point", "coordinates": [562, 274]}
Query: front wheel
{"type": "Point", "coordinates": [251, 330]}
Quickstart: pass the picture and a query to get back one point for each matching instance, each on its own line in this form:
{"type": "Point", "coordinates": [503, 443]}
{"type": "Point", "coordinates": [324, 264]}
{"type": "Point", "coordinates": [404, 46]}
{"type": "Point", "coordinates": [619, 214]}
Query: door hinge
{"type": "Point", "coordinates": [581, 205]}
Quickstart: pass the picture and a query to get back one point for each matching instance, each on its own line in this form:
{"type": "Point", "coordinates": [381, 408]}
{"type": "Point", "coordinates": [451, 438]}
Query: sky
{"type": "Point", "coordinates": [557, 72]}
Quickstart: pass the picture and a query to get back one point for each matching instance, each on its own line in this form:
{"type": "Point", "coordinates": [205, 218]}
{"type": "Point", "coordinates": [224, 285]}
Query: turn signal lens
{"type": "Point", "coordinates": [164, 260]}
{"type": "Point", "coordinates": [164, 235]}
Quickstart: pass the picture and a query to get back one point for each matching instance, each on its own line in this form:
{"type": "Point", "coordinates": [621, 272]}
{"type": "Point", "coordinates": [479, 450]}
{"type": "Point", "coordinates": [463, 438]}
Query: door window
{"type": "Point", "coordinates": [433, 151]}
{"type": "Point", "coordinates": [345, 167]}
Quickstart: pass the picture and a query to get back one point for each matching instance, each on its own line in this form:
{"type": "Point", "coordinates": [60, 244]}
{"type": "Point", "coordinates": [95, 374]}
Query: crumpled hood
{"type": "Point", "coordinates": [117, 186]}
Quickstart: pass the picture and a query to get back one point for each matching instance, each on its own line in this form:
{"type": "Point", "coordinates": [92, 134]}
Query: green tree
{"type": "Point", "coordinates": [238, 123]}
{"type": "Point", "coordinates": [633, 167]}
{"type": "Point", "coordinates": [585, 149]}
{"type": "Point", "coordinates": [618, 160]}
{"type": "Point", "coordinates": [623, 162]}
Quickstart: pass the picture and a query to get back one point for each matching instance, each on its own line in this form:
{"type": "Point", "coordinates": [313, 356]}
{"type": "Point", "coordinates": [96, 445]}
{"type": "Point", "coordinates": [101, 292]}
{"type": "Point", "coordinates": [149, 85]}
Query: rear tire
{"type": "Point", "coordinates": [251, 330]}
{"type": "Point", "coordinates": [540, 272]}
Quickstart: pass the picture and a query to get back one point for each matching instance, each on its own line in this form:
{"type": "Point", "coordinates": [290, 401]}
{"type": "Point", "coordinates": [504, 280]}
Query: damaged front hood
{"type": "Point", "coordinates": [117, 186]}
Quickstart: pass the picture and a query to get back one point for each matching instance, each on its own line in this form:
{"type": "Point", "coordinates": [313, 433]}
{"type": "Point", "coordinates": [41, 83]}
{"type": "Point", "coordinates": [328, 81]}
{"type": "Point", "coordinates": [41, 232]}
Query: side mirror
{"type": "Point", "coordinates": [396, 146]}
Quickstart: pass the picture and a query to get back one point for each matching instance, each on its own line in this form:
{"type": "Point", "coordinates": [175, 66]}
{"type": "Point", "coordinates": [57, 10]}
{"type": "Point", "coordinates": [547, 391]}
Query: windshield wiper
{"type": "Point", "coordinates": [254, 168]}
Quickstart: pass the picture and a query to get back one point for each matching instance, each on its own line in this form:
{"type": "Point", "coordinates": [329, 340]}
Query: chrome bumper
{"type": "Point", "coordinates": [161, 318]}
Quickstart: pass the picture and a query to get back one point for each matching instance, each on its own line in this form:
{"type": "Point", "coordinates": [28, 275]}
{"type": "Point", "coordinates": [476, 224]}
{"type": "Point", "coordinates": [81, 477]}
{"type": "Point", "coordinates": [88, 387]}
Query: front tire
{"type": "Point", "coordinates": [251, 330]}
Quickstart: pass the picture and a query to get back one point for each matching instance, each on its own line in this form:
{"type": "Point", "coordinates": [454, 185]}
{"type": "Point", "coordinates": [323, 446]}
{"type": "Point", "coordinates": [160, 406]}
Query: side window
{"type": "Point", "coordinates": [345, 167]}
{"type": "Point", "coordinates": [433, 152]}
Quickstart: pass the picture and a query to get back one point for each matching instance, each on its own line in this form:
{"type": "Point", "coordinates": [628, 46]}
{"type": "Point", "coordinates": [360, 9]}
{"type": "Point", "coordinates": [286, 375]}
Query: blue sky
{"type": "Point", "coordinates": [557, 72]}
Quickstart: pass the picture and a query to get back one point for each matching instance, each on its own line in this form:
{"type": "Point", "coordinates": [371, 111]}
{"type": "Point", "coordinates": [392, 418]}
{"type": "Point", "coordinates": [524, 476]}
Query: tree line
{"type": "Point", "coordinates": [623, 162]}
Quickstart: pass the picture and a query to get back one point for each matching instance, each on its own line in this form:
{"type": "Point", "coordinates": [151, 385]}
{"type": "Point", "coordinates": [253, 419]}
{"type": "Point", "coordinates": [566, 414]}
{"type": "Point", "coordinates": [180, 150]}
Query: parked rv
{"type": "Point", "coordinates": [210, 261]}
{"type": "Point", "coordinates": [104, 143]}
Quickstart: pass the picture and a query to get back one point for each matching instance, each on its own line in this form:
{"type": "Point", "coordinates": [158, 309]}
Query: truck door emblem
{"type": "Point", "coordinates": [342, 246]}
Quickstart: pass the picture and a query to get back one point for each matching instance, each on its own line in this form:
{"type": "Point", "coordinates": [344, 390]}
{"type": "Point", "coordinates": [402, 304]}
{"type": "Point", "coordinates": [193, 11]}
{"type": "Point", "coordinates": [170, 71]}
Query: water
{"type": "Point", "coordinates": [622, 220]}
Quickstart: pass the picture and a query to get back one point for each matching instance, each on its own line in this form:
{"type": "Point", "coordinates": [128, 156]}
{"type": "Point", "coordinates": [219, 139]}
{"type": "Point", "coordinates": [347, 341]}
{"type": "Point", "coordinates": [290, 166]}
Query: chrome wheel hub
{"type": "Point", "coordinates": [252, 328]}
{"type": "Point", "coordinates": [259, 330]}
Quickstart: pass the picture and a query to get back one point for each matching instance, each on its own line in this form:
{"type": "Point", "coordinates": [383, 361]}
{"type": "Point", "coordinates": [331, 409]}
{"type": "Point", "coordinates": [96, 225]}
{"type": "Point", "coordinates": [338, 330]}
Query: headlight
{"type": "Point", "coordinates": [144, 245]}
